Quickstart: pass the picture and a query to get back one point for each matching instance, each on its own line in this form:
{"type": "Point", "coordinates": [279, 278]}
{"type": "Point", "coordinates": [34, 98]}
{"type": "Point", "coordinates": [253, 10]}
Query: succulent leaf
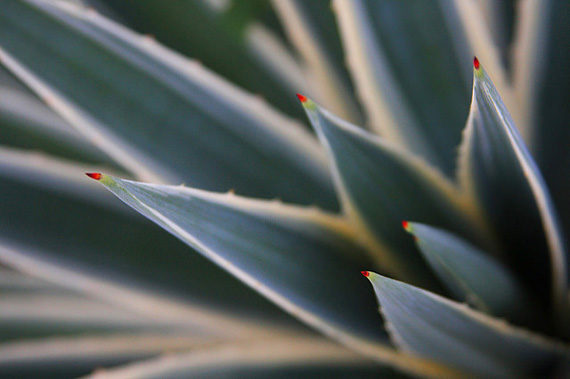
{"type": "Point", "coordinates": [498, 171]}
{"type": "Point", "coordinates": [304, 357]}
{"type": "Point", "coordinates": [472, 275]}
{"type": "Point", "coordinates": [42, 314]}
{"type": "Point", "coordinates": [132, 90]}
{"type": "Point", "coordinates": [61, 225]}
{"type": "Point", "coordinates": [202, 32]}
{"type": "Point", "coordinates": [429, 325]}
{"type": "Point", "coordinates": [380, 185]}
{"type": "Point", "coordinates": [311, 28]}
{"type": "Point", "coordinates": [27, 123]}
{"type": "Point", "coordinates": [287, 254]}
{"type": "Point", "coordinates": [414, 90]}
{"type": "Point", "coordinates": [541, 78]}
{"type": "Point", "coordinates": [71, 357]}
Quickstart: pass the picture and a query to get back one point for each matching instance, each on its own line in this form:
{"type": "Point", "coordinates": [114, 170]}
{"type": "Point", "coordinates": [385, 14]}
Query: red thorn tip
{"type": "Point", "coordinates": [405, 224]}
{"type": "Point", "coordinates": [476, 63]}
{"type": "Point", "coordinates": [93, 175]}
{"type": "Point", "coordinates": [365, 273]}
{"type": "Point", "coordinates": [302, 98]}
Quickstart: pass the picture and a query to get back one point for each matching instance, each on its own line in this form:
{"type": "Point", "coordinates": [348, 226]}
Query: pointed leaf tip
{"type": "Point", "coordinates": [476, 63]}
{"type": "Point", "coordinates": [301, 98]}
{"type": "Point", "coordinates": [365, 273]}
{"type": "Point", "coordinates": [94, 175]}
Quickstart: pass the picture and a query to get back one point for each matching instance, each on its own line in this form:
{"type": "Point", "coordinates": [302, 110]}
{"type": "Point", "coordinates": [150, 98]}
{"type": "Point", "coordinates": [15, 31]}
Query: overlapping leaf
{"type": "Point", "coordinates": [159, 115]}
{"type": "Point", "coordinates": [26, 123]}
{"type": "Point", "coordinates": [215, 37]}
{"type": "Point", "coordinates": [381, 185]}
{"type": "Point", "coordinates": [311, 28]}
{"type": "Point", "coordinates": [542, 85]}
{"type": "Point", "coordinates": [499, 172]}
{"type": "Point", "coordinates": [470, 274]}
{"type": "Point", "coordinates": [426, 324]}
{"type": "Point", "coordinates": [408, 62]}
{"type": "Point", "coordinates": [74, 356]}
{"type": "Point", "coordinates": [55, 217]}
{"type": "Point", "coordinates": [287, 254]}
{"type": "Point", "coordinates": [303, 357]}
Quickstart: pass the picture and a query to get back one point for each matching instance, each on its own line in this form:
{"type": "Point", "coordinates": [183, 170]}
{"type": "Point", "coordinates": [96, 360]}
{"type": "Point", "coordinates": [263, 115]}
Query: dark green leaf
{"type": "Point", "coordinates": [497, 170]}
{"type": "Point", "coordinates": [470, 274]}
{"type": "Point", "coordinates": [159, 115]}
{"type": "Point", "coordinates": [380, 185]}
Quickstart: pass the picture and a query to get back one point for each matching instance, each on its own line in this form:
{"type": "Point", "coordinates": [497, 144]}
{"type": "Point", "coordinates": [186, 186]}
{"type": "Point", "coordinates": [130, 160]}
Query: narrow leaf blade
{"type": "Point", "coordinates": [426, 324]}
{"type": "Point", "coordinates": [470, 274]}
{"type": "Point", "coordinates": [133, 90]}
{"type": "Point", "coordinates": [497, 170]}
{"type": "Point", "coordinates": [287, 254]}
{"type": "Point", "coordinates": [409, 61]}
{"type": "Point", "coordinates": [380, 185]}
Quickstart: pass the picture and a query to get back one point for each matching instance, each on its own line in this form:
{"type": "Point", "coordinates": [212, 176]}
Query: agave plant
{"type": "Point", "coordinates": [455, 214]}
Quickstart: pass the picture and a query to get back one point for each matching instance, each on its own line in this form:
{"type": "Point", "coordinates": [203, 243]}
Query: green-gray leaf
{"type": "Point", "coordinates": [429, 325]}
{"type": "Point", "coordinates": [301, 259]}
{"type": "Point", "coordinates": [380, 185]}
{"type": "Point", "coordinates": [71, 357]}
{"type": "Point", "coordinates": [497, 170]}
{"type": "Point", "coordinates": [57, 216]}
{"type": "Point", "coordinates": [162, 117]}
{"type": "Point", "coordinates": [312, 29]}
{"type": "Point", "coordinates": [471, 274]}
{"type": "Point", "coordinates": [304, 357]}
{"type": "Point", "coordinates": [409, 61]}
{"type": "Point", "coordinates": [542, 85]}
{"type": "Point", "coordinates": [27, 123]}
{"type": "Point", "coordinates": [211, 37]}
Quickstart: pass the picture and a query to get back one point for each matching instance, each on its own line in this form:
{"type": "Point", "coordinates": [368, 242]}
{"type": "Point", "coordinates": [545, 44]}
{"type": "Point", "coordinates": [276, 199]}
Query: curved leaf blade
{"type": "Point", "coordinates": [409, 63]}
{"type": "Point", "coordinates": [74, 356]}
{"type": "Point", "coordinates": [27, 123]}
{"type": "Point", "coordinates": [311, 28]}
{"type": "Point", "coordinates": [303, 357]}
{"type": "Point", "coordinates": [542, 85]}
{"type": "Point", "coordinates": [471, 274]}
{"type": "Point", "coordinates": [202, 33]}
{"type": "Point", "coordinates": [61, 226]}
{"type": "Point", "coordinates": [287, 254]}
{"type": "Point", "coordinates": [380, 185]}
{"type": "Point", "coordinates": [132, 90]}
{"type": "Point", "coordinates": [429, 325]}
{"type": "Point", "coordinates": [497, 171]}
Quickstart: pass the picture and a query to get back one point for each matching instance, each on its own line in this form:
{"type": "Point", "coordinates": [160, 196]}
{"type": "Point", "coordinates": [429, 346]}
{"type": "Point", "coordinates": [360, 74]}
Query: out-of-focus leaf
{"type": "Point", "coordinates": [429, 325]}
{"type": "Point", "coordinates": [59, 222]}
{"type": "Point", "coordinates": [276, 56]}
{"type": "Point", "coordinates": [14, 282]}
{"type": "Point", "coordinates": [481, 40]}
{"type": "Point", "coordinates": [27, 123]}
{"type": "Point", "coordinates": [542, 85]}
{"type": "Point", "coordinates": [312, 29]}
{"type": "Point", "coordinates": [410, 62]}
{"type": "Point", "coordinates": [380, 185]}
{"type": "Point", "coordinates": [74, 356]}
{"type": "Point", "coordinates": [497, 171]}
{"type": "Point", "coordinates": [471, 274]}
{"type": "Point", "coordinates": [500, 17]}
{"type": "Point", "coordinates": [23, 316]}
{"type": "Point", "coordinates": [303, 357]}
{"type": "Point", "coordinates": [302, 259]}
{"type": "Point", "coordinates": [288, 254]}
{"type": "Point", "coordinates": [217, 38]}
{"type": "Point", "coordinates": [159, 115]}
